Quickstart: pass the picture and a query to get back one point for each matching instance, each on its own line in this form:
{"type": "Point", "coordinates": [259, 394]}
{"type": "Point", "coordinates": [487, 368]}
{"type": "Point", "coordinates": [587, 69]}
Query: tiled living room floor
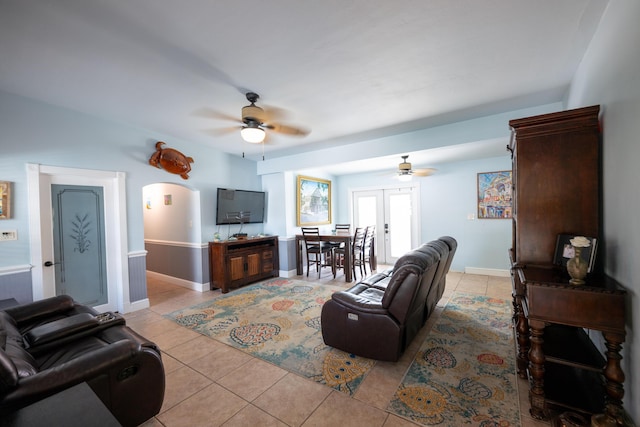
{"type": "Point", "coordinates": [211, 384]}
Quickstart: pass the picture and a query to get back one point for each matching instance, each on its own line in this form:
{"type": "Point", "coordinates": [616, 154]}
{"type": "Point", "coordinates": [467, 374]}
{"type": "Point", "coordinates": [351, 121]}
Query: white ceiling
{"type": "Point", "coordinates": [346, 70]}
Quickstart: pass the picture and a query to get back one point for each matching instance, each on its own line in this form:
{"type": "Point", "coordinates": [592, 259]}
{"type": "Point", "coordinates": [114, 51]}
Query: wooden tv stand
{"type": "Point", "coordinates": [234, 263]}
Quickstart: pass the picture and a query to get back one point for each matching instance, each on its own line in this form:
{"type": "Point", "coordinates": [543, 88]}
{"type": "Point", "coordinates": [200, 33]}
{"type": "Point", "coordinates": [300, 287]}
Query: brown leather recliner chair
{"type": "Point", "coordinates": [379, 317]}
{"type": "Point", "coordinates": [50, 345]}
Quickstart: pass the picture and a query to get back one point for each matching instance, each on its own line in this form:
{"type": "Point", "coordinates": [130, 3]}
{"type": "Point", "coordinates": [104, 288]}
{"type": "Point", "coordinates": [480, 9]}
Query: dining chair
{"type": "Point", "coordinates": [356, 243]}
{"type": "Point", "coordinates": [319, 253]}
{"type": "Point", "coordinates": [340, 228]}
{"type": "Point", "coordinates": [367, 249]}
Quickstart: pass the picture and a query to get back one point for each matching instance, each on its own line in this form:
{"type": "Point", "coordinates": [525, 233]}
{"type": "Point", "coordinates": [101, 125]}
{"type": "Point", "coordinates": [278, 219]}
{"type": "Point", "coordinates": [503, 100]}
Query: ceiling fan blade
{"type": "Point", "coordinates": [209, 113]}
{"type": "Point", "coordinates": [423, 172]}
{"type": "Point", "coordinates": [223, 131]}
{"type": "Point", "coordinates": [273, 114]}
{"type": "Point", "coordinates": [288, 130]}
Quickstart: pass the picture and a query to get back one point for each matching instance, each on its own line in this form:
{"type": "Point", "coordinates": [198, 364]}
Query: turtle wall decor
{"type": "Point", "coordinates": [171, 160]}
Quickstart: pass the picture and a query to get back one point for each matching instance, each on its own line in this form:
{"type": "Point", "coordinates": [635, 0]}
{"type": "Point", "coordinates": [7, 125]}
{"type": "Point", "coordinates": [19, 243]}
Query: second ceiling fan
{"type": "Point", "coordinates": [405, 172]}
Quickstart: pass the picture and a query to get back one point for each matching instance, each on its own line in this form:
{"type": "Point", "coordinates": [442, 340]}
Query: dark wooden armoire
{"type": "Point", "coordinates": [556, 181]}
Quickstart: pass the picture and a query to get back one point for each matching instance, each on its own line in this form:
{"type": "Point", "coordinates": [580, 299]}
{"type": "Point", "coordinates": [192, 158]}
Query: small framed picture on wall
{"type": "Point", "coordinates": [5, 199]}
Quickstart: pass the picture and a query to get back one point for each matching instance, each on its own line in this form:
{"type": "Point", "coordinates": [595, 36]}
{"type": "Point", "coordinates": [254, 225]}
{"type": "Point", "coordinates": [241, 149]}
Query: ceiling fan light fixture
{"type": "Point", "coordinates": [252, 133]}
{"type": "Point", "coordinates": [404, 176]}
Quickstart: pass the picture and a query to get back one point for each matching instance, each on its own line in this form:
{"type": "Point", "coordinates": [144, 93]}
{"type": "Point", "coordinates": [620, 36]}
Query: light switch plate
{"type": "Point", "coordinates": [8, 235]}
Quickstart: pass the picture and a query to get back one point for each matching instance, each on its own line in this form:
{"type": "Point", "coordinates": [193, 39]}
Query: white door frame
{"type": "Point", "coordinates": [39, 178]}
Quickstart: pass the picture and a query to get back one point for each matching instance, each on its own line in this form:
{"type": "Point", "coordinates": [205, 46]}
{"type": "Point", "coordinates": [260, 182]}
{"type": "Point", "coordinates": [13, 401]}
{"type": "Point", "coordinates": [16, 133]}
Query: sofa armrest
{"type": "Point", "coordinates": [46, 307]}
{"type": "Point", "coordinates": [54, 331]}
{"type": "Point", "coordinates": [373, 279]}
{"type": "Point", "coordinates": [361, 298]}
{"type": "Point", "coordinates": [68, 374]}
{"type": "Point", "coordinates": [60, 332]}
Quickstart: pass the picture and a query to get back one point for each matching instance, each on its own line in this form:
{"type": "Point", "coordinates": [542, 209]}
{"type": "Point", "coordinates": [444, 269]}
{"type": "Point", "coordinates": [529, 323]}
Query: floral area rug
{"type": "Point", "coordinates": [464, 372]}
{"type": "Point", "coordinates": [279, 321]}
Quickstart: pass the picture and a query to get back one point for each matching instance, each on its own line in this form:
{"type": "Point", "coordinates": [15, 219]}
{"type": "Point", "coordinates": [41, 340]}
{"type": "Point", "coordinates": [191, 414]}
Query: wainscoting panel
{"type": "Point", "coordinates": [287, 249]}
{"type": "Point", "coordinates": [183, 261]}
{"type": "Point", "coordinates": [15, 282]}
{"type": "Point", "coordinates": [138, 276]}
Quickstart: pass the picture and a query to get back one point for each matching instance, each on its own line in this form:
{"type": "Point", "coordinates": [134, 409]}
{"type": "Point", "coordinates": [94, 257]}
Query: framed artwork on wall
{"type": "Point", "coordinates": [5, 199]}
{"type": "Point", "coordinates": [313, 205]}
{"type": "Point", "coordinates": [494, 195]}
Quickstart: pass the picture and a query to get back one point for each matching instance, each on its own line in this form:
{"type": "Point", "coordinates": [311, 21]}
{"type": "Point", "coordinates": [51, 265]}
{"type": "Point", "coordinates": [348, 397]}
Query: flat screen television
{"type": "Point", "coordinates": [239, 206]}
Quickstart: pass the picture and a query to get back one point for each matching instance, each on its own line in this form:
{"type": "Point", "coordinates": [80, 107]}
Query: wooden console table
{"type": "Point", "coordinates": [234, 263]}
{"type": "Point", "coordinates": [564, 367]}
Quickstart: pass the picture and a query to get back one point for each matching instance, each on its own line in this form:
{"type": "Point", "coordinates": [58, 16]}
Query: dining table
{"type": "Point", "coordinates": [335, 236]}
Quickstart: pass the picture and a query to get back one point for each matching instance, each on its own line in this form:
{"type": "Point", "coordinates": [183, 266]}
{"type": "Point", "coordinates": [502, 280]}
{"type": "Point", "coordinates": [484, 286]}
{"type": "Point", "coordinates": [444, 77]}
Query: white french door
{"type": "Point", "coordinates": [394, 212]}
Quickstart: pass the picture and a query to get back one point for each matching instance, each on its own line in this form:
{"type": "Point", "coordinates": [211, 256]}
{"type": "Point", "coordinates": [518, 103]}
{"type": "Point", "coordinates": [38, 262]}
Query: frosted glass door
{"type": "Point", "coordinates": [79, 243]}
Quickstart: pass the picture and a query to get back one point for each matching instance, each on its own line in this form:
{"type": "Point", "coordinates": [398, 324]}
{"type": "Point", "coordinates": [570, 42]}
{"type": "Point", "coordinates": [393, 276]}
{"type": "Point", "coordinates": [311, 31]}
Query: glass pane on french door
{"type": "Point", "coordinates": [399, 208]}
{"type": "Point", "coordinates": [366, 210]}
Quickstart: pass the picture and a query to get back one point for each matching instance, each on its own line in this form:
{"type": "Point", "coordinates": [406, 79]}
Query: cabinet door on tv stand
{"type": "Point", "coordinates": [236, 268]}
{"type": "Point", "coordinates": [253, 264]}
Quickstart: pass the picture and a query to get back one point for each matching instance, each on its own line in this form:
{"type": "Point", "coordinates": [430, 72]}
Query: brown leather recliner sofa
{"type": "Point", "coordinates": [379, 316]}
{"type": "Point", "coordinates": [50, 345]}
{"type": "Point", "coordinates": [446, 247]}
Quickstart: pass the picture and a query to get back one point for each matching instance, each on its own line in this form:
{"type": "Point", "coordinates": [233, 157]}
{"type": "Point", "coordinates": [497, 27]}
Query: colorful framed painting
{"type": "Point", "coordinates": [494, 195]}
{"type": "Point", "coordinates": [313, 205]}
{"type": "Point", "coordinates": [5, 200]}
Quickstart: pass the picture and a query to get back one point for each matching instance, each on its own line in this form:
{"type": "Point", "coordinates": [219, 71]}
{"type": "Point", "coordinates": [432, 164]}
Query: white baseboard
{"type": "Point", "coordinates": [136, 305]}
{"type": "Point", "coordinates": [200, 287]}
{"type": "Point", "coordinates": [287, 273]}
{"type": "Point", "coordinates": [487, 271]}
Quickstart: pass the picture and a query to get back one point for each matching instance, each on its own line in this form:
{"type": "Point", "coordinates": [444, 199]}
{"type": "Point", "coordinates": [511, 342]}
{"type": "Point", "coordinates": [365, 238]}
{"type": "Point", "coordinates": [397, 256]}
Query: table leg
{"type": "Point", "coordinates": [348, 276]}
{"type": "Point", "coordinates": [298, 257]}
{"type": "Point", "coordinates": [614, 379]}
{"type": "Point", "coordinates": [522, 337]}
{"type": "Point", "coordinates": [536, 370]}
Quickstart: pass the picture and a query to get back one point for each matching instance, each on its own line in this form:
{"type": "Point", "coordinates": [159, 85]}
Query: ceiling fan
{"type": "Point", "coordinates": [405, 172]}
{"type": "Point", "coordinates": [255, 120]}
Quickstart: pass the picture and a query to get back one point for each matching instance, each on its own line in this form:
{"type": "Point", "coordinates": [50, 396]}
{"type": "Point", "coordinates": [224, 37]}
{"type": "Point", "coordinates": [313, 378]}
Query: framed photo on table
{"type": "Point", "coordinates": [564, 251]}
{"type": "Point", "coordinates": [313, 205]}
